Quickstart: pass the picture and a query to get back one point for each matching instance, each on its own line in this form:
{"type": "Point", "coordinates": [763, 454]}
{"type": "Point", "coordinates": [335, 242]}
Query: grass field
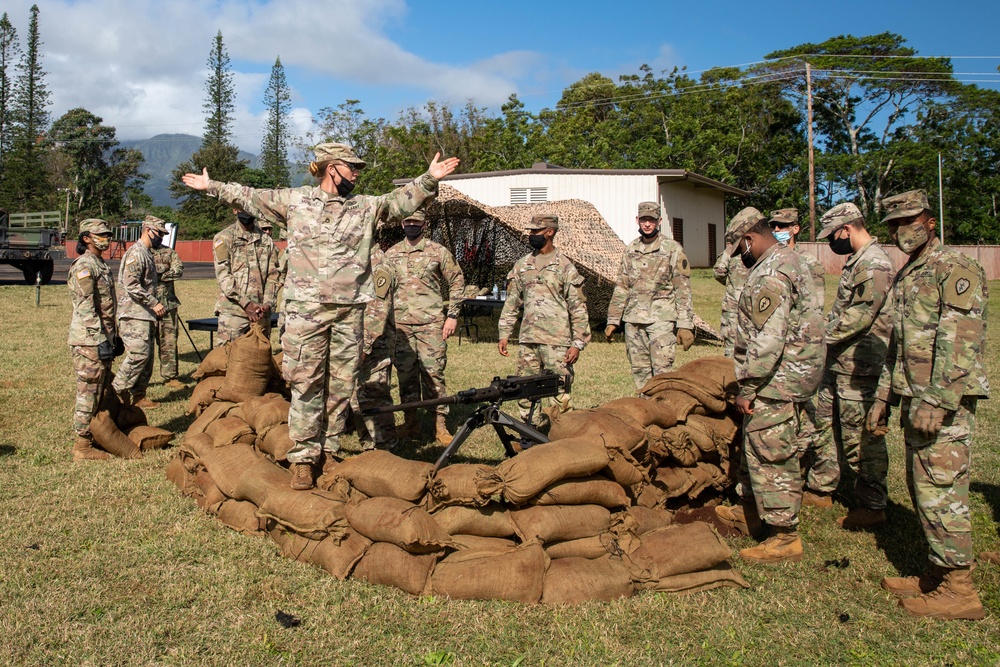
{"type": "Point", "coordinates": [106, 564]}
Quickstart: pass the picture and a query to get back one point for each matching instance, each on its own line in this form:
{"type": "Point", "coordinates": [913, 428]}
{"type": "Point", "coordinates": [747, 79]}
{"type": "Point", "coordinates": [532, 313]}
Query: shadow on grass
{"type": "Point", "coordinates": [8, 450]}
{"type": "Point", "coordinates": [991, 494]}
{"type": "Point", "coordinates": [902, 539]}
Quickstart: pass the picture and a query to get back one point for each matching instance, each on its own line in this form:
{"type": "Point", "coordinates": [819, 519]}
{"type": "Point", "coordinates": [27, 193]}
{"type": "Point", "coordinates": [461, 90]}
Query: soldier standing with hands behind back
{"type": "Point", "coordinates": [935, 372]}
{"type": "Point", "coordinates": [653, 298]}
{"type": "Point", "coordinates": [169, 269]}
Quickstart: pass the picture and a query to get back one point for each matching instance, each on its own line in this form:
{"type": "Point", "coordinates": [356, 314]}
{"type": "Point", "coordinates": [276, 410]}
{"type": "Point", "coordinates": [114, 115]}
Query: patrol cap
{"type": "Point", "coordinates": [741, 223]}
{"type": "Point", "coordinates": [94, 226]}
{"type": "Point", "coordinates": [416, 216]}
{"type": "Point", "coordinates": [154, 223]}
{"type": "Point", "coordinates": [785, 216]}
{"type": "Point", "coordinates": [342, 152]}
{"type": "Point", "coordinates": [266, 225]}
{"type": "Point", "coordinates": [544, 221]}
{"type": "Point", "coordinates": [838, 216]}
{"type": "Point", "coordinates": [649, 209]}
{"type": "Point", "coordinates": [905, 205]}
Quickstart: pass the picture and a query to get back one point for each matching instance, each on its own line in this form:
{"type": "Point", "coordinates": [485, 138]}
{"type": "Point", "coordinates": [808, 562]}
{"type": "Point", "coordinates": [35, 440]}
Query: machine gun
{"type": "Point", "coordinates": [512, 388]}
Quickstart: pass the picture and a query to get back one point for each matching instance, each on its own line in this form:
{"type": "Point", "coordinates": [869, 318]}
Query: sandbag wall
{"type": "Point", "coordinates": [558, 523]}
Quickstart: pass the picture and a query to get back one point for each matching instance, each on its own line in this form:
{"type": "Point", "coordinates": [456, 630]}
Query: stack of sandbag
{"type": "Point", "coordinates": [123, 431]}
{"type": "Point", "coordinates": [556, 524]}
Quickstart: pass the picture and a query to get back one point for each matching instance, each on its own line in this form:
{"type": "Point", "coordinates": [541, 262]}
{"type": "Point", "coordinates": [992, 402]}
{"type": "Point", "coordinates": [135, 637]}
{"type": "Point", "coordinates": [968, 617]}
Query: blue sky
{"type": "Point", "coordinates": [140, 64]}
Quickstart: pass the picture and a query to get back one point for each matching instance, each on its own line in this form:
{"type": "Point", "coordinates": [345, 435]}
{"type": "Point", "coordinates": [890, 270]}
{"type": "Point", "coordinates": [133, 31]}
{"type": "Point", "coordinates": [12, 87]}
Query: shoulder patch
{"type": "Point", "coordinates": [960, 288]}
{"type": "Point", "coordinates": [863, 275]}
{"type": "Point", "coordinates": [383, 282]}
{"type": "Point", "coordinates": [83, 273]}
{"type": "Point", "coordinates": [765, 302]}
{"type": "Point", "coordinates": [683, 267]}
{"type": "Point", "coordinates": [218, 242]}
{"type": "Point", "coordinates": [130, 259]}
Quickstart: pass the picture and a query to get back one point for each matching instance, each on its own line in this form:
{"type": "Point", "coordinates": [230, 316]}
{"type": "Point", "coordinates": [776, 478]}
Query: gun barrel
{"type": "Point", "coordinates": [413, 405]}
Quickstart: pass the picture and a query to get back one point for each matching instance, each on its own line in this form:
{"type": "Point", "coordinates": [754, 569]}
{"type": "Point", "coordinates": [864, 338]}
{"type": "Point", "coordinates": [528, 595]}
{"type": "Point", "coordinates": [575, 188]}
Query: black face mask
{"type": "Point", "coordinates": [841, 246]}
{"type": "Point", "coordinates": [412, 232]}
{"type": "Point", "coordinates": [345, 187]}
{"type": "Point", "coordinates": [536, 241]}
{"type": "Point", "coordinates": [156, 242]}
{"type": "Point", "coordinates": [246, 219]}
{"type": "Point", "coordinates": [651, 235]}
{"type": "Point", "coordinates": [747, 258]}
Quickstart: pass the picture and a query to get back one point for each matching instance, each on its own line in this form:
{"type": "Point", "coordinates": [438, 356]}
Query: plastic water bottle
{"type": "Point", "coordinates": [496, 291]}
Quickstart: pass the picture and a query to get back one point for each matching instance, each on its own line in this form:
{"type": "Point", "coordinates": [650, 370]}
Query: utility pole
{"type": "Point", "coordinates": [812, 163]}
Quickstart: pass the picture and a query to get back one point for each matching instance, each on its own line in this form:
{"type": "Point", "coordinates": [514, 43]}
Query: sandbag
{"type": "Point", "coordinates": [339, 555]}
{"type": "Point", "coordinates": [679, 549]}
{"type": "Point", "coordinates": [641, 410]}
{"type": "Point", "coordinates": [576, 580]}
{"type": "Point", "coordinates": [216, 410]}
{"type": "Point", "coordinates": [594, 490]}
{"type": "Point", "coordinates": [467, 542]}
{"type": "Point", "coordinates": [711, 380]}
{"type": "Point", "coordinates": [380, 473]}
{"type": "Point", "coordinates": [249, 366]}
{"type": "Point", "coordinates": [640, 520]}
{"type": "Point", "coordinates": [266, 411]}
{"type": "Point", "coordinates": [596, 424]}
{"type": "Point", "coordinates": [674, 444]}
{"type": "Point", "coordinates": [556, 523]}
{"type": "Point", "coordinates": [195, 445]}
{"type": "Point", "coordinates": [150, 437]}
{"type": "Point", "coordinates": [227, 465]}
{"type": "Point", "coordinates": [230, 430]}
{"type": "Point", "coordinates": [388, 565]}
{"type": "Point", "coordinates": [491, 520]}
{"type": "Point", "coordinates": [683, 405]}
{"type": "Point", "coordinates": [214, 363]}
{"type": "Point", "coordinates": [456, 485]}
{"type": "Point", "coordinates": [130, 416]}
{"type": "Point", "coordinates": [203, 394]}
{"type": "Point", "coordinates": [178, 474]}
{"type": "Point", "coordinates": [706, 476]}
{"type": "Point", "coordinates": [722, 575]}
{"type": "Point", "coordinates": [292, 544]}
{"type": "Point", "coordinates": [597, 546]}
{"type": "Point", "coordinates": [241, 516]}
{"type": "Point", "coordinates": [624, 469]}
{"type": "Point", "coordinates": [313, 514]}
{"type": "Point", "coordinates": [527, 474]}
{"type": "Point", "coordinates": [208, 496]}
{"type": "Point", "coordinates": [276, 442]}
{"type": "Point", "coordinates": [514, 574]}
{"type": "Point", "coordinates": [261, 479]}
{"type": "Point", "coordinates": [674, 482]}
{"type": "Point", "coordinates": [398, 522]}
{"type": "Point", "coordinates": [111, 439]}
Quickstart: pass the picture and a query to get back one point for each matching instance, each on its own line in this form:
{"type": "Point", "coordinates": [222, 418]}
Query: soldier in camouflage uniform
{"type": "Point", "coordinates": [857, 337]}
{"type": "Point", "coordinates": [545, 291]}
{"type": "Point", "coordinates": [329, 281]}
{"type": "Point", "coordinates": [785, 226]}
{"type": "Point", "coordinates": [779, 362]}
{"type": "Point", "coordinates": [246, 267]}
{"type": "Point", "coordinates": [169, 268]}
{"type": "Point", "coordinates": [421, 270]}
{"type": "Point", "coordinates": [138, 312]}
{"type": "Point", "coordinates": [729, 271]}
{"type": "Point", "coordinates": [267, 227]}
{"type": "Point", "coordinates": [653, 299]}
{"type": "Point", "coordinates": [935, 373]}
{"type": "Point", "coordinates": [375, 371]}
{"type": "Point", "coordinates": [92, 331]}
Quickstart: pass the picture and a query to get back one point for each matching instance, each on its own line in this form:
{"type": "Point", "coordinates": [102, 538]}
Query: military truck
{"type": "Point", "coordinates": [31, 242]}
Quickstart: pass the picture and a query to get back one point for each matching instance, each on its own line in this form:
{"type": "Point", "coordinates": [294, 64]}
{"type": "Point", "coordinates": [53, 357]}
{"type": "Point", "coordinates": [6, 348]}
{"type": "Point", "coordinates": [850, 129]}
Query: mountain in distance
{"type": "Point", "coordinates": [162, 154]}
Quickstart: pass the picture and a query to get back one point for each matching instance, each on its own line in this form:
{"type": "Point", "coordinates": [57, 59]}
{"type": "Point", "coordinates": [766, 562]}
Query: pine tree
{"type": "Point", "coordinates": [221, 100]}
{"type": "Point", "coordinates": [274, 147]}
{"type": "Point", "coordinates": [8, 55]}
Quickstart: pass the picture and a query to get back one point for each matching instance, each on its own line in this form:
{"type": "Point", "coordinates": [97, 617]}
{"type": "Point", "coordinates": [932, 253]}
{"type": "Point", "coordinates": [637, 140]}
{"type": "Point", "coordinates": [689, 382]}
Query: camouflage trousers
{"type": "Point", "coordinates": [372, 390]}
{"type": "Point", "coordinates": [92, 377]}
{"type": "Point", "coordinates": [420, 356]}
{"type": "Point", "coordinates": [650, 349]}
{"type": "Point", "coordinates": [937, 475]}
{"type": "Point", "coordinates": [774, 441]}
{"type": "Point", "coordinates": [233, 325]}
{"type": "Point", "coordinates": [842, 444]}
{"type": "Point", "coordinates": [727, 331]}
{"type": "Point", "coordinates": [534, 358]}
{"type": "Point", "coordinates": [166, 341]}
{"type": "Point", "coordinates": [137, 365]}
{"type": "Point", "coordinates": [322, 346]}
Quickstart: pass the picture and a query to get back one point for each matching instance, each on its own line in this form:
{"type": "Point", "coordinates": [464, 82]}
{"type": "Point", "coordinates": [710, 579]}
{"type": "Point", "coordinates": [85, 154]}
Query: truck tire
{"type": "Point", "coordinates": [32, 269]}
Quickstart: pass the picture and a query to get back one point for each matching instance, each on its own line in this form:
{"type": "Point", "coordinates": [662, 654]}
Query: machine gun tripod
{"type": "Point", "coordinates": [512, 388]}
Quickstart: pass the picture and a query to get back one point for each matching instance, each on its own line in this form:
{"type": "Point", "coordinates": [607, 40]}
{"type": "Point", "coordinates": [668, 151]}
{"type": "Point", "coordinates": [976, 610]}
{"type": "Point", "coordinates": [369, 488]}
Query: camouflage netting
{"type": "Point", "coordinates": [606, 508]}
{"type": "Point", "coordinates": [487, 240]}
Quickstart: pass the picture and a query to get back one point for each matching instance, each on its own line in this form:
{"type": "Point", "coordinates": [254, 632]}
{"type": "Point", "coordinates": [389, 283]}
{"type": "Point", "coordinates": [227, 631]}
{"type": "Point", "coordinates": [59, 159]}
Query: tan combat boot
{"type": "Point", "coordinates": [813, 499]}
{"type": "Point", "coordinates": [411, 425]}
{"type": "Point", "coordinates": [302, 476]}
{"type": "Point", "coordinates": [742, 517]}
{"type": "Point", "coordinates": [954, 599]}
{"type": "Point", "coordinates": [784, 546]}
{"type": "Point", "coordinates": [441, 431]}
{"type": "Point", "coordinates": [911, 587]}
{"type": "Point", "coordinates": [861, 518]}
{"type": "Point", "coordinates": [174, 384]}
{"type": "Point", "coordinates": [84, 450]}
{"type": "Point", "coordinates": [145, 404]}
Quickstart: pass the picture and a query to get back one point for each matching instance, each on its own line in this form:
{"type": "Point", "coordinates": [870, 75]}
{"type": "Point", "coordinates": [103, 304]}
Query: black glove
{"type": "Point", "coordinates": [119, 346]}
{"type": "Point", "coordinates": [105, 351]}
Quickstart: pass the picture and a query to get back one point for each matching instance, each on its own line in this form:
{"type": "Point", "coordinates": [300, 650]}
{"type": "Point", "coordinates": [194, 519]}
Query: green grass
{"type": "Point", "coordinates": [106, 564]}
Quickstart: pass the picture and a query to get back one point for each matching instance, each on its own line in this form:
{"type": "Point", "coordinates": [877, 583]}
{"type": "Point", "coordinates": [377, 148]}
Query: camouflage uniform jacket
{"type": "Point", "coordinates": [938, 329]}
{"type": "Point", "coordinates": [378, 312]}
{"type": "Point", "coordinates": [168, 269]}
{"type": "Point", "coordinates": [779, 339]}
{"type": "Point", "coordinates": [137, 284]}
{"type": "Point", "coordinates": [420, 272]}
{"type": "Point", "coordinates": [729, 271]}
{"type": "Point", "coordinates": [329, 236]}
{"type": "Point", "coordinates": [818, 275]}
{"type": "Point", "coordinates": [246, 267]}
{"type": "Point", "coordinates": [92, 289]}
{"type": "Point", "coordinates": [549, 290]}
{"type": "Point", "coordinates": [654, 285]}
{"type": "Point", "coordinates": [857, 330]}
